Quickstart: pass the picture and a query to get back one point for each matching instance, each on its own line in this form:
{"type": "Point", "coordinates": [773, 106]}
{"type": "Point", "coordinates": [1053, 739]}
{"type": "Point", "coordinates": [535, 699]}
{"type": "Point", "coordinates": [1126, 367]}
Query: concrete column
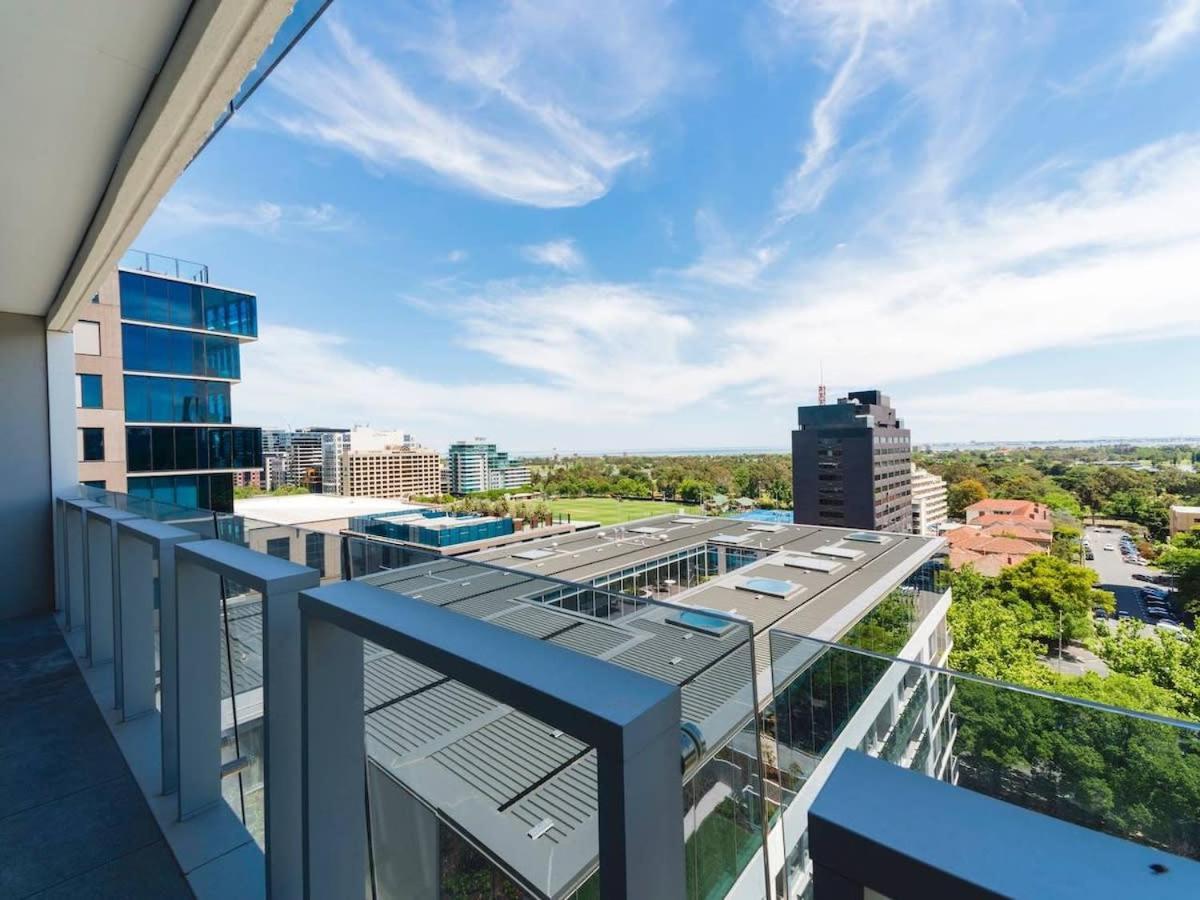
{"type": "Point", "coordinates": [64, 467]}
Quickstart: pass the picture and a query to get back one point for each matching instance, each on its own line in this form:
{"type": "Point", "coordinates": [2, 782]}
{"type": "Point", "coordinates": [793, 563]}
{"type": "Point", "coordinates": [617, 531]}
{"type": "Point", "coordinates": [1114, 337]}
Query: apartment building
{"type": "Point", "coordinates": [404, 471]}
{"type": "Point", "coordinates": [477, 465]}
{"type": "Point", "coordinates": [155, 359]}
{"type": "Point", "coordinates": [929, 509]}
{"type": "Point", "coordinates": [852, 465]}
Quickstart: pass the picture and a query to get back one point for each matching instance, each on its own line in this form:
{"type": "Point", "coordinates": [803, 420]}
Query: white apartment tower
{"type": "Point", "coordinates": [929, 508]}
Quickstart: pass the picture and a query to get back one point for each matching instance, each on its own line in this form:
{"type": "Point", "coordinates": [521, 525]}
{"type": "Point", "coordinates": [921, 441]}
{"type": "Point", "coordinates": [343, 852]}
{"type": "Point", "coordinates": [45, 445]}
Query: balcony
{"type": "Point", "coordinates": [520, 732]}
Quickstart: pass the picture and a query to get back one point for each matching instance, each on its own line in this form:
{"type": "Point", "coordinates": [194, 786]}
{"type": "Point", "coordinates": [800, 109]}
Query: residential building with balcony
{"type": "Point", "coordinates": [929, 508]}
{"type": "Point", "coordinates": [851, 465]}
{"type": "Point", "coordinates": [402, 472]}
{"type": "Point", "coordinates": [197, 704]}
{"type": "Point", "coordinates": [155, 362]}
{"type": "Point", "coordinates": [477, 465]}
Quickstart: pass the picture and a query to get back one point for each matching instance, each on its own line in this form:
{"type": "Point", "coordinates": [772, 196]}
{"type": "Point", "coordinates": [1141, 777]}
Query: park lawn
{"type": "Point", "coordinates": [610, 511]}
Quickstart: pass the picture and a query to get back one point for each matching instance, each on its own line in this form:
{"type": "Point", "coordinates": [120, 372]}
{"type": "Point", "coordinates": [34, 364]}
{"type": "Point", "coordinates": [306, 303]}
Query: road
{"type": "Point", "coordinates": [1116, 575]}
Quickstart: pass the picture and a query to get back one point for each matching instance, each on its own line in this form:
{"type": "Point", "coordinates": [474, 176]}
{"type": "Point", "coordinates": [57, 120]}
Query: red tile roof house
{"type": "Point", "coordinates": [1000, 533]}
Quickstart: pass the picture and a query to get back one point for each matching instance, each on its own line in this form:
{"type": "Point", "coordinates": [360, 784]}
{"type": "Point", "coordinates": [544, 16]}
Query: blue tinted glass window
{"type": "Point", "coordinates": [181, 352]}
{"type": "Point", "coordinates": [158, 350]}
{"type": "Point", "coordinates": [137, 450]}
{"type": "Point", "coordinates": [185, 448]}
{"type": "Point", "coordinates": [220, 489]}
{"type": "Point", "coordinates": [133, 295]}
{"type": "Point", "coordinates": [162, 444]}
{"type": "Point", "coordinates": [218, 402]}
{"type": "Point", "coordinates": [133, 347]}
{"type": "Point", "coordinates": [314, 552]}
{"type": "Point", "coordinates": [92, 444]}
{"type": "Point", "coordinates": [220, 453]}
{"type": "Point", "coordinates": [139, 487]}
{"type": "Point", "coordinates": [137, 399]}
{"type": "Point", "coordinates": [202, 455]}
{"type": "Point", "coordinates": [162, 489]}
{"type": "Point", "coordinates": [202, 495]}
{"type": "Point", "coordinates": [186, 493]}
{"type": "Point", "coordinates": [91, 392]}
{"type": "Point", "coordinates": [158, 301]}
{"type": "Point", "coordinates": [160, 399]}
{"type": "Point", "coordinates": [190, 395]}
{"type": "Point", "coordinates": [180, 295]}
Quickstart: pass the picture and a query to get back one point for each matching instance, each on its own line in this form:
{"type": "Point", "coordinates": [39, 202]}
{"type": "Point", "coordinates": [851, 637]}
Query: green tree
{"type": "Point", "coordinates": [962, 494]}
{"type": "Point", "coordinates": [1181, 558]}
{"type": "Point", "coordinates": [1058, 594]}
{"type": "Point", "coordinates": [693, 491]}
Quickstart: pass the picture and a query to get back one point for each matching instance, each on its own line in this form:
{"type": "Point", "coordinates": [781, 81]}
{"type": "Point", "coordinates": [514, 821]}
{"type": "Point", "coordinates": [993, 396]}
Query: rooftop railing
{"type": "Point", "coordinates": [170, 266]}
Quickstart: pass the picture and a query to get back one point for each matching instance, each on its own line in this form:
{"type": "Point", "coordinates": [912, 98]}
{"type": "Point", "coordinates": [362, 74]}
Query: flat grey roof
{"type": "Point", "coordinates": [497, 774]}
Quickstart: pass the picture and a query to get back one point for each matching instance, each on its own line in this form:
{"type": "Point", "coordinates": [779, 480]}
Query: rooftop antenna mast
{"type": "Point", "coordinates": [821, 387]}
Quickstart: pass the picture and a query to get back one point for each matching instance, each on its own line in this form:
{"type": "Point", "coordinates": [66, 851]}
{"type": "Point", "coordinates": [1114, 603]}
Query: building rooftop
{"type": "Point", "coordinates": [503, 777]}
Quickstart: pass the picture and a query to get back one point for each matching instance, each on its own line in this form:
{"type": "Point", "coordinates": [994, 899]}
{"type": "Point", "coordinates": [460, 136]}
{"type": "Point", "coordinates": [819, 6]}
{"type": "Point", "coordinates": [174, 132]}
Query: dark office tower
{"type": "Point", "coordinates": [851, 465]}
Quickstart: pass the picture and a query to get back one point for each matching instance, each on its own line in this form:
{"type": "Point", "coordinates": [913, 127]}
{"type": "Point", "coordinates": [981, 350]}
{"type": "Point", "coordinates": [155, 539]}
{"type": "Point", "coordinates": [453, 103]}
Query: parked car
{"type": "Point", "coordinates": [1109, 547]}
{"type": "Point", "coordinates": [1168, 625]}
{"type": "Point", "coordinates": [1122, 614]}
{"type": "Point", "coordinates": [1100, 613]}
{"type": "Point", "coordinates": [1089, 555]}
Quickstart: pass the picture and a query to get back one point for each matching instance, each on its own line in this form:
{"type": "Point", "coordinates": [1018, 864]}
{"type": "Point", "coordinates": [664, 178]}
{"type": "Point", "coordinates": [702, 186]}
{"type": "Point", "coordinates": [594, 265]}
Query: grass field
{"type": "Point", "coordinates": [608, 511]}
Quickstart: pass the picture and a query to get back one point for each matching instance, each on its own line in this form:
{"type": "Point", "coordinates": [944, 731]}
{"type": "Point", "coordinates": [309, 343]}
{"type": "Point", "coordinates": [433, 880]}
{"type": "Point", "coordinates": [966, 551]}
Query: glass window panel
{"type": "Point", "coordinates": [160, 391]}
{"type": "Point", "coordinates": [186, 492]}
{"type": "Point", "coordinates": [158, 302]}
{"type": "Point", "coordinates": [137, 449]}
{"type": "Point", "coordinates": [181, 352]}
{"type": "Point", "coordinates": [139, 487]}
{"type": "Point", "coordinates": [91, 391]}
{"type": "Point", "coordinates": [133, 295]}
{"type": "Point", "coordinates": [279, 547]}
{"type": "Point", "coordinates": [185, 449]}
{"type": "Point", "coordinates": [196, 300]}
{"type": "Point", "coordinates": [163, 489]}
{"type": "Point", "coordinates": [221, 492]}
{"type": "Point", "coordinates": [158, 350]}
{"type": "Point", "coordinates": [137, 399]}
{"type": "Point", "coordinates": [133, 347]}
{"type": "Point", "coordinates": [220, 451]}
{"type": "Point", "coordinates": [202, 493]}
{"type": "Point", "coordinates": [181, 303]}
{"type": "Point", "coordinates": [162, 443]}
{"type": "Point", "coordinates": [218, 402]}
{"type": "Point", "coordinates": [202, 454]}
{"type": "Point", "coordinates": [91, 444]}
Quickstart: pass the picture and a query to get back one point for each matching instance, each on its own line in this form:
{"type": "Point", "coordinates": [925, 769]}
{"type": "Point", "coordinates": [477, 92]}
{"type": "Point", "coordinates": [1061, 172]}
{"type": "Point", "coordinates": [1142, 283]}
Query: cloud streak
{"type": "Point", "coordinates": [264, 217]}
{"type": "Point", "coordinates": [480, 106]}
{"type": "Point", "coordinates": [561, 254]}
{"type": "Point", "coordinates": [1176, 26]}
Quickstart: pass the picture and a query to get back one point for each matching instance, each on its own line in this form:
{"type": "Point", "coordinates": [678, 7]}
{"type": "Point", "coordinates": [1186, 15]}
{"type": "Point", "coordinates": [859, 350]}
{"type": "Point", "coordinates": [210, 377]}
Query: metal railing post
{"type": "Point", "coordinates": [146, 553]}
{"type": "Point", "coordinates": [103, 582]}
{"type": "Point", "coordinates": [199, 565]}
{"type": "Point", "coordinates": [75, 547]}
{"type": "Point", "coordinates": [631, 719]}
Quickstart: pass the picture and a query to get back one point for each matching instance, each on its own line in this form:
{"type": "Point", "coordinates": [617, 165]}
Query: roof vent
{"type": "Point", "coordinates": [540, 829]}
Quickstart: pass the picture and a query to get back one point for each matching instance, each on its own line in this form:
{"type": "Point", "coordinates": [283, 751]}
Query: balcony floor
{"type": "Point", "coordinates": [73, 823]}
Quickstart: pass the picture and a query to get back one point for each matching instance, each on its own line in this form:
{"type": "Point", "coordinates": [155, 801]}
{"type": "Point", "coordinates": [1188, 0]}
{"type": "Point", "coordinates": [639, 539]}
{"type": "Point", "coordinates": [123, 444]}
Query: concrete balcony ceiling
{"type": "Point", "coordinates": [106, 102]}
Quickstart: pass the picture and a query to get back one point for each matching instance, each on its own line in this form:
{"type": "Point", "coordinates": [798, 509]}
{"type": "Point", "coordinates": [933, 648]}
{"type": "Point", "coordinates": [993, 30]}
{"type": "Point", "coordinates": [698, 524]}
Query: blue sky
{"type": "Point", "coordinates": [642, 225]}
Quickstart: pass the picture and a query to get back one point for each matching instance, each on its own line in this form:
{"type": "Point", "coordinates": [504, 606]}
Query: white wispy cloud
{"type": "Point", "coordinates": [1177, 25]}
{"type": "Point", "coordinates": [507, 103]}
{"type": "Point", "coordinates": [560, 254]}
{"type": "Point", "coordinates": [1111, 258]}
{"type": "Point", "coordinates": [193, 213]}
{"type": "Point", "coordinates": [993, 401]}
{"type": "Point", "coordinates": [726, 262]}
{"type": "Point", "coordinates": [456, 256]}
{"type": "Point", "coordinates": [938, 68]}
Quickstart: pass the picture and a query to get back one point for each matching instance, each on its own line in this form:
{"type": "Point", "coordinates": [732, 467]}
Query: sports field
{"type": "Point", "coordinates": [608, 511]}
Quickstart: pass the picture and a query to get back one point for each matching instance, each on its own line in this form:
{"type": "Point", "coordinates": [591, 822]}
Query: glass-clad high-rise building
{"type": "Point", "coordinates": [156, 362]}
